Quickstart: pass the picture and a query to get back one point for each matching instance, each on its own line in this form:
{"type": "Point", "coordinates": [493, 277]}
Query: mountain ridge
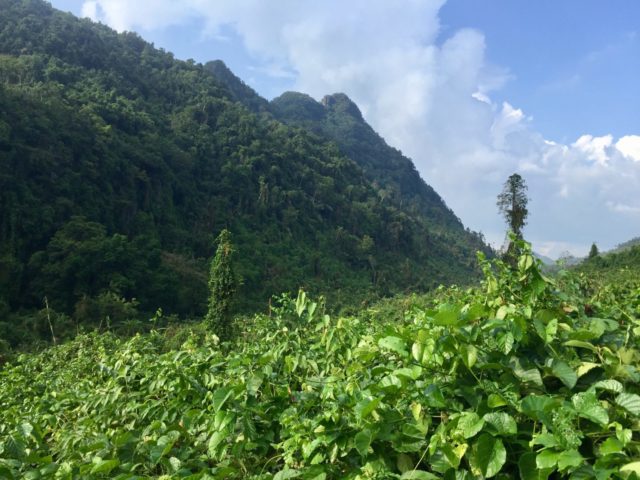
{"type": "Point", "coordinates": [119, 165]}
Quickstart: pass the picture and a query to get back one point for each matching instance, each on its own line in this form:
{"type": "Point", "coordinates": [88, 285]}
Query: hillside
{"type": "Point", "coordinates": [511, 379]}
{"type": "Point", "coordinates": [119, 165]}
{"type": "Point", "coordinates": [609, 266]}
{"type": "Point", "coordinates": [337, 119]}
{"type": "Point", "coordinates": [634, 242]}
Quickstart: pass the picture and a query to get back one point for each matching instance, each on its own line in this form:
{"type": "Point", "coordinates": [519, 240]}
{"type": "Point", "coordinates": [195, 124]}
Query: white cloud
{"type": "Point", "coordinates": [623, 208]}
{"type": "Point", "coordinates": [629, 146]}
{"type": "Point", "coordinates": [595, 148]}
{"type": "Point", "coordinates": [430, 98]}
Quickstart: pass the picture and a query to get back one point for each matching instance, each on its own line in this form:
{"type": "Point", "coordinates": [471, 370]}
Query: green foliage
{"type": "Point", "coordinates": [117, 162]}
{"type": "Point", "coordinates": [222, 288]}
{"type": "Point", "coordinates": [512, 203]}
{"type": "Point", "coordinates": [522, 377]}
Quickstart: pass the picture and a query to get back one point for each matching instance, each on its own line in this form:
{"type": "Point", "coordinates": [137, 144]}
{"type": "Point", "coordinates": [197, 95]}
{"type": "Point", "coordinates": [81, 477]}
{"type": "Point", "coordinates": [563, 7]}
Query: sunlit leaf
{"type": "Point", "coordinates": [630, 402]}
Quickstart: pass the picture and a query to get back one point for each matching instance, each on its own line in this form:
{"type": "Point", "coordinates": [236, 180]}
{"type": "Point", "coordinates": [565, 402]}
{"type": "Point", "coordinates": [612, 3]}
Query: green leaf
{"type": "Point", "coordinates": [538, 407]}
{"type": "Point", "coordinates": [395, 344]}
{"type": "Point", "coordinates": [500, 423]}
{"type": "Point", "coordinates": [494, 401]}
{"type": "Point", "coordinates": [532, 375]}
{"type": "Point", "coordinates": [545, 439]}
{"type": "Point", "coordinates": [362, 441]}
{"type": "Point", "coordinates": [390, 383]}
{"type": "Point", "coordinates": [588, 406]}
{"type": "Point", "coordinates": [104, 466]}
{"type": "Point", "coordinates": [447, 315]}
{"type": "Point", "coordinates": [364, 407]}
{"type": "Point", "coordinates": [624, 435]}
{"type": "Point", "coordinates": [525, 262]}
{"type": "Point", "coordinates": [469, 355]}
{"type": "Point", "coordinates": [220, 396]}
{"type": "Point", "coordinates": [286, 474]}
{"type": "Point", "coordinates": [547, 459]}
{"type": "Point", "coordinates": [611, 446]}
{"type": "Point", "coordinates": [434, 397]}
{"type": "Point", "coordinates": [418, 475]}
{"type": "Point", "coordinates": [630, 402]}
{"type": "Point", "coordinates": [505, 342]}
{"type": "Point", "coordinates": [529, 469]}
{"type": "Point", "coordinates": [569, 459]}
{"type": "Point", "coordinates": [489, 455]}
{"type": "Point", "coordinates": [214, 441]}
{"type": "Point", "coordinates": [405, 463]}
{"type": "Point", "coordinates": [412, 373]}
{"type": "Point", "coordinates": [565, 373]}
{"type": "Point", "coordinates": [611, 385]}
{"type": "Point", "coordinates": [175, 463]}
{"type": "Point", "coordinates": [586, 367]}
{"type": "Point", "coordinates": [469, 424]}
{"type": "Point", "coordinates": [163, 446]}
{"type": "Point", "coordinates": [580, 344]}
{"type": "Point", "coordinates": [631, 467]}
{"type": "Point", "coordinates": [419, 353]}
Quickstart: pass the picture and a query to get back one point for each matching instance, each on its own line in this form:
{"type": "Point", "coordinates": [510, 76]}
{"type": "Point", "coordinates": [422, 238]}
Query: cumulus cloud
{"type": "Point", "coordinates": [431, 98]}
{"type": "Point", "coordinates": [629, 146]}
{"type": "Point", "coordinates": [595, 148]}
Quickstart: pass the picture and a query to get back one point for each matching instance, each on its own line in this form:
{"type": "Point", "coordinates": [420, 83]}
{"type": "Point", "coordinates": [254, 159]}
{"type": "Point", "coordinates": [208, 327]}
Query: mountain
{"type": "Point", "coordinates": [548, 261]}
{"type": "Point", "coordinates": [338, 119]}
{"type": "Point", "coordinates": [621, 262]}
{"type": "Point", "coordinates": [626, 245]}
{"type": "Point", "coordinates": [119, 166]}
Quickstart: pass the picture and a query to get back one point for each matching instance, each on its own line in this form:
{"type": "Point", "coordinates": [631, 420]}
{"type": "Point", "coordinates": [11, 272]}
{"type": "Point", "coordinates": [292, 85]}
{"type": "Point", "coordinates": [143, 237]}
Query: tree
{"type": "Point", "coordinates": [593, 253]}
{"type": "Point", "coordinates": [512, 203]}
{"type": "Point", "coordinates": [222, 288]}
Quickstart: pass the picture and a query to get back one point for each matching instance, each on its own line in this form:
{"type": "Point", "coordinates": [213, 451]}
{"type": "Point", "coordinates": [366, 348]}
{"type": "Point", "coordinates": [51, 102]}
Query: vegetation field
{"type": "Point", "coordinates": [522, 377]}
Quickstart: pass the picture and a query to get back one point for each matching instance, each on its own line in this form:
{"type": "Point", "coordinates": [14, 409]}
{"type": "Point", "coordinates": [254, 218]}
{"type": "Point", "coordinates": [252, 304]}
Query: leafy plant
{"type": "Point", "coordinates": [513, 379]}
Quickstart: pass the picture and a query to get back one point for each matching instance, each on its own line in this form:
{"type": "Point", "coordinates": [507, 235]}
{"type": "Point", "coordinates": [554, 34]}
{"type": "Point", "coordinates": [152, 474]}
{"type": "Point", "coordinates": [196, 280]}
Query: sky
{"type": "Point", "coordinates": [471, 91]}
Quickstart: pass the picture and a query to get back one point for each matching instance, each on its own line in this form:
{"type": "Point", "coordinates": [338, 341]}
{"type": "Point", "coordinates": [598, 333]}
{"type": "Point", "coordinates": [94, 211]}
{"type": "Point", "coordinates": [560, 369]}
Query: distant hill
{"type": "Point", "coordinates": [615, 264]}
{"type": "Point", "coordinates": [119, 166]}
{"type": "Point", "coordinates": [544, 259]}
{"type": "Point", "coordinates": [626, 245]}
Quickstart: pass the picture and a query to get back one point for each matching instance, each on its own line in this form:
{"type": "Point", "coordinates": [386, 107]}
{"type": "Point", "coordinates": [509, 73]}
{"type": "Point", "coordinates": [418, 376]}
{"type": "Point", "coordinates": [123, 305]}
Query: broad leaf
{"type": "Point", "coordinates": [395, 344]}
{"type": "Point", "coordinates": [418, 475]}
{"type": "Point", "coordinates": [362, 441]}
{"type": "Point", "coordinates": [529, 469]}
{"type": "Point", "coordinates": [286, 474]}
{"type": "Point", "coordinates": [500, 423]}
{"type": "Point", "coordinates": [489, 455]}
{"type": "Point", "coordinates": [104, 466]}
{"type": "Point", "coordinates": [610, 385]}
{"type": "Point", "coordinates": [565, 373]}
{"type": "Point", "coordinates": [364, 407]}
{"type": "Point", "coordinates": [630, 402]}
{"type": "Point", "coordinates": [588, 406]}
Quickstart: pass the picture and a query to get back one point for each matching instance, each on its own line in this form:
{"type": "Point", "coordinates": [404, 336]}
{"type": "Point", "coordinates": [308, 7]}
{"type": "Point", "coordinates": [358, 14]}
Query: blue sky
{"type": "Point", "coordinates": [575, 64]}
{"type": "Point", "coordinates": [471, 91]}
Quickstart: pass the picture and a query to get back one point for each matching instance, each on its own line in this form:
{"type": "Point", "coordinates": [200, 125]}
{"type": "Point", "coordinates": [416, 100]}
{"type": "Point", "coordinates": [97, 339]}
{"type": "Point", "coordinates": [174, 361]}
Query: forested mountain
{"type": "Point", "coordinates": [119, 165]}
{"type": "Point", "coordinates": [609, 265]}
{"type": "Point", "coordinates": [634, 242]}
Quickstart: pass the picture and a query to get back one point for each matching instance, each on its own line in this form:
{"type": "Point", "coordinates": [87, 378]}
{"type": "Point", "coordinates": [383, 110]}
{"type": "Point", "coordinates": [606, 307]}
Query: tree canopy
{"type": "Point", "coordinates": [512, 204]}
{"type": "Point", "coordinates": [118, 163]}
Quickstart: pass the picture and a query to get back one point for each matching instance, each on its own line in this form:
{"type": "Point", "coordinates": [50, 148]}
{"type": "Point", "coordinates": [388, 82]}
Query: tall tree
{"type": "Point", "coordinates": [222, 288]}
{"type": "Point", "coordinates": [593, 253]}
{"type": "Point", "coordinates": [512, 203]}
